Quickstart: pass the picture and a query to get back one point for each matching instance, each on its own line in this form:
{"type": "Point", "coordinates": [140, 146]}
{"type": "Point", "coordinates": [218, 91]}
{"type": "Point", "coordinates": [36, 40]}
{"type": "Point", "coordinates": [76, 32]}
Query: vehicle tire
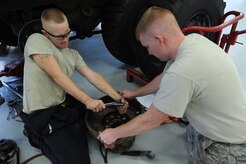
{"type": "Point", "coordinates": [29, 28]}
{"type": "Point", "coordinates": [120, 20]}
{"type": "Point", "coordinates": [7, 37]}
{"type": "Point", "coordinates": [115, 25]}
{"type": "Point", "coordinates": [3, 48]}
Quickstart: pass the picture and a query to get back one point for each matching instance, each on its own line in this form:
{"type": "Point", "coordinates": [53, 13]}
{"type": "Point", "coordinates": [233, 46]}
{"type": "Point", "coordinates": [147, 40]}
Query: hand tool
{"type": "Point", "coordinates": [114, 104]}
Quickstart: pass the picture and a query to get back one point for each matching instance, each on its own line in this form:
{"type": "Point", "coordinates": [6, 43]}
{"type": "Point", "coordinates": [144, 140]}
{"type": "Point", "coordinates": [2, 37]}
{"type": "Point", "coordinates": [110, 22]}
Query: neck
{"type": "Point", "coordinates": [176, 44]}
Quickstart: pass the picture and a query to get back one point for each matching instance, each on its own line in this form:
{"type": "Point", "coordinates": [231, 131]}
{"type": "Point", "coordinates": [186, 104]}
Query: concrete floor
{"type": "Point", "coordinates": [168, 141]}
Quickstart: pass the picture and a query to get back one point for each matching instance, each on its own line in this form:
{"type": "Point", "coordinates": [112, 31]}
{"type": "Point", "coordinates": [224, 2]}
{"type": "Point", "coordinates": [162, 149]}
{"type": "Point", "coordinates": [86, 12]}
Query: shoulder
{"type": "Point", "coordinates": [195, 36]}
{"type": "Point", "coordinates": [197, 42]}
{"type": "Point", "coordinates": [37, 36]}
{"type": "Point", "coordinates": [37, 39]}
{"type": "Point", "coordinates": [38, 43]}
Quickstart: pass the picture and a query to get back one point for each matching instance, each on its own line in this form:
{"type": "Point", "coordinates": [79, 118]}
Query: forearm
{"type": "Point", "coordinates": [149, 88]}
{"type": "Point", "coordinates": [100, 83]}
{"type": "Point", "coordinates": [71, 88]}
{"type": "Point", "coordinates": [142, 123]}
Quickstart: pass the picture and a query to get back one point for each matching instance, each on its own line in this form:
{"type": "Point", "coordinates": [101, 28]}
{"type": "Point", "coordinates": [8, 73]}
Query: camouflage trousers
{"type": "Point", "coordinates": [207, 151]}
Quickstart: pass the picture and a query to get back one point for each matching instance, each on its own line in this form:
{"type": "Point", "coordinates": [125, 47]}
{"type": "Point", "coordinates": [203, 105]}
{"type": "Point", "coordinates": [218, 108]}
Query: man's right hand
{"type": "Point", "coordinates": [95, 105]}
{"type": "Point", "coordinates": [128, 94]}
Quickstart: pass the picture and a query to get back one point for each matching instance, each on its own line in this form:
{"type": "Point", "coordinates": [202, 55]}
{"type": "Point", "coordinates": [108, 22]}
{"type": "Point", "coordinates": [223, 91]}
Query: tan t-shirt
{"type": "Point", "coordinates": [40, 91]}
{"type": "Point", "coordinates": [203, 84]}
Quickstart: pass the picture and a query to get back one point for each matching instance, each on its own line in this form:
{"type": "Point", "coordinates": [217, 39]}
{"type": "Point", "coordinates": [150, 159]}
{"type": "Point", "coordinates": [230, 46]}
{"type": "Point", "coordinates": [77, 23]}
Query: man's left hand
{"type": "Point", "coordinates": [107, 138]}
{"type": "Point", "coordinates": [122, 109]}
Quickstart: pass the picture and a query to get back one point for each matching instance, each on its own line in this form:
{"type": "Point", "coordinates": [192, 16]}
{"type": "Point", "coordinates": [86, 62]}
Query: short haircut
{"type": "Point", "coordinates": [153, 15]}
{"type": "Point", "coordinates": [53, 14]}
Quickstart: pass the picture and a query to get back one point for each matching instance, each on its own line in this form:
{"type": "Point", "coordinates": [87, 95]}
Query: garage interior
{"type": "Point", "coordinates": [168, 142]}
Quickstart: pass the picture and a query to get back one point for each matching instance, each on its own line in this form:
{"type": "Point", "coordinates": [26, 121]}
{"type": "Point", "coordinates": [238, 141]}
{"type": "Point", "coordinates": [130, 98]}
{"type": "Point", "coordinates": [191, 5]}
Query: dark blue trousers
{"type": "Point", "coordinates": [60, 132]}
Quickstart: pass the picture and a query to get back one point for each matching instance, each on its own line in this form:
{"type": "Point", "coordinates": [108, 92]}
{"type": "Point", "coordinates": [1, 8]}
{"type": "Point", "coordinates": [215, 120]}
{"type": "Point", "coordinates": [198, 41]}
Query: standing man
{"type": "Point", "coordinates": [199, 81]}
{"type": "Point", "coordinates": [54, 106]}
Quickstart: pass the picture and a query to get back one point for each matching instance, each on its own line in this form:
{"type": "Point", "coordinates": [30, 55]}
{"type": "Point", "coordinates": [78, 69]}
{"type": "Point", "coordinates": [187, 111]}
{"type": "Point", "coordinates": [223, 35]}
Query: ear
{"type": "Point", "coordinates": [160, 39]}
{"type": "Point", "coordinates": [44, 32]}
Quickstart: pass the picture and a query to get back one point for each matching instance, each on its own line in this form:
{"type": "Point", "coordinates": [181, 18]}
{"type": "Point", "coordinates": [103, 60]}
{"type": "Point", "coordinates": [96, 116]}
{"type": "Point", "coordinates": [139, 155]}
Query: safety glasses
{"type": "Point", "coordinates": [60, 37]}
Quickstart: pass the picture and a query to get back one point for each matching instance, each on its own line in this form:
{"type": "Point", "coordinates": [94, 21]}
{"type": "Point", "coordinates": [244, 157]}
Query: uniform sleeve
{"type": "Point", "coordinates": [37, 44]}
{"type": "Point", "coordinates": [174, 94]}
{"type": "Point", "coordinates": [79, 61]}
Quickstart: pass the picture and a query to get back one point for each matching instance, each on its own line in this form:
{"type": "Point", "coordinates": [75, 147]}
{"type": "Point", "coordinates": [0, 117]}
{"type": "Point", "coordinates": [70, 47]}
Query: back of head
{"type": "Point", "coordinates": [158, 20]}
{"type": "Point", "coordinates": [52, 15]}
